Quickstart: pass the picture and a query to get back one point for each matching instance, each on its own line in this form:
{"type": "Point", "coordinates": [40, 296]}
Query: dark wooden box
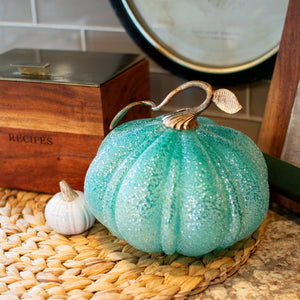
{"type": "Point", "coordinates": [55, 109]}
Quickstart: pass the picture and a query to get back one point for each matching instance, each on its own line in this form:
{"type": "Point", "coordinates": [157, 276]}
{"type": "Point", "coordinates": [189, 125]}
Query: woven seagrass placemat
{"type": "Point", "coordinates": [38, 263]}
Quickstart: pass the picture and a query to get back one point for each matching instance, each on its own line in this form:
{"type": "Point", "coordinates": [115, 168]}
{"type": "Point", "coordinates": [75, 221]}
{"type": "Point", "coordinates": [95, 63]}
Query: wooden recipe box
{"type": "Point", "coordinates": [55, 109]}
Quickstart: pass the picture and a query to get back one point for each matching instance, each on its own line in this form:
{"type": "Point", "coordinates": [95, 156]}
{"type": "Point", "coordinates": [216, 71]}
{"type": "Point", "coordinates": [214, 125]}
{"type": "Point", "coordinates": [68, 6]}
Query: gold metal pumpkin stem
{"type": "Point", "coordinates": [186, 118]}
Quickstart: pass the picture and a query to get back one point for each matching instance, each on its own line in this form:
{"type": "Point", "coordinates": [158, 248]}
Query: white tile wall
{"type": "Point", "coordinates": [91, 25]}
{"type": "Point", "coordinates": [77, 12]}
{"type": "Point", "coordinates": [111, 41]}
{"type": "Point", "coordinates": [15, 10]}
{"type": "Point", "coordinates": [39, 37]}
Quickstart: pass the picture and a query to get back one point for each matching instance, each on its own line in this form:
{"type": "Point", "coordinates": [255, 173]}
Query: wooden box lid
{"type": "Point", "coordinates": [64, 67]}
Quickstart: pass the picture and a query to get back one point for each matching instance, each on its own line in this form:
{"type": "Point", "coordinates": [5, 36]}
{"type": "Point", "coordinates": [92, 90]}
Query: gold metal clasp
{"type": "Point", "coordinates": [33, 69]}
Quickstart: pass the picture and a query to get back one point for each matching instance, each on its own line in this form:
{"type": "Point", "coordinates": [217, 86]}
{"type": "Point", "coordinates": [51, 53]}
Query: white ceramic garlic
{"type": "Point", "coordinates": [67, 212]}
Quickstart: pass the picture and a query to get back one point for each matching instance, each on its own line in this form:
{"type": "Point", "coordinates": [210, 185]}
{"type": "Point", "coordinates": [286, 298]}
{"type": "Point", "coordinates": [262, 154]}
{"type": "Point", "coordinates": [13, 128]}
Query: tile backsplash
{"type": "Point", "coordinates": [92, 25]}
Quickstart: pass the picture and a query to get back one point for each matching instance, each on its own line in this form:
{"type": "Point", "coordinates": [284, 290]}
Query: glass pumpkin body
{"type": "Point", "coordinates": [185, 191]}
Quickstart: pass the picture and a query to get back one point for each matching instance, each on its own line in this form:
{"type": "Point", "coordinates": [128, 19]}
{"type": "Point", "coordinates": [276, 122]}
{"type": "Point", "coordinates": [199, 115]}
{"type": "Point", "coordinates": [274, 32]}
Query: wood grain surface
{"type": "Point", "coordinates": [37, 160]}
{"type": "Point", "coordinates": [53, 107]}
{"type": "Point", "coordinates": [283, 85]}
{"type": "Point", "coordinates": [135, 86]}
{"type": "Point", "coordinates": [282, 95]}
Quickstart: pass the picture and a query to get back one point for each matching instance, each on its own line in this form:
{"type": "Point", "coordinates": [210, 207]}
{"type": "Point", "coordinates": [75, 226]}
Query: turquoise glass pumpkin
{"type": "Point", "coordinates": [179, 186]}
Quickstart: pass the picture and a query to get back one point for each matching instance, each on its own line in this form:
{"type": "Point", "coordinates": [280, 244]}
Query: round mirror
{"type": "Point", "coordinates": [220, 41]}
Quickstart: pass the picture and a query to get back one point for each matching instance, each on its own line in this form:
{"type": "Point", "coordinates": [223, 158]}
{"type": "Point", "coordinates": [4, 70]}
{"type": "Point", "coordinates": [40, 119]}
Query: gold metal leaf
{"type": "Point", "coordinates": [226, 101]}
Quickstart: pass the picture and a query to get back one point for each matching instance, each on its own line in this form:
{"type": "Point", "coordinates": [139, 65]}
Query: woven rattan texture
{"type": "Point", "coordinates": [38, 263]}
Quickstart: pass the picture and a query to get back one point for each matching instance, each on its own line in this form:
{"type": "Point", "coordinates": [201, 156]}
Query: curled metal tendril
{"type": "Point", "coordinates": [186, 118]}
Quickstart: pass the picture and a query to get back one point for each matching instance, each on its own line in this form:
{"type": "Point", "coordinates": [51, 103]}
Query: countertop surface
{"type": "Point", "coordinates": [273, 271]}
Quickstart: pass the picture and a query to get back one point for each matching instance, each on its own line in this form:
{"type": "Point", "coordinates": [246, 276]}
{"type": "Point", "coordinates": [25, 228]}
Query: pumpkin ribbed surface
{"type": "Point", "coordinates": [186, 191]}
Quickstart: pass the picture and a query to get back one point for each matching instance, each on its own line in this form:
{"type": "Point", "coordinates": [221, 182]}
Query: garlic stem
{"type": "Point", "coordinates": [67, 193]}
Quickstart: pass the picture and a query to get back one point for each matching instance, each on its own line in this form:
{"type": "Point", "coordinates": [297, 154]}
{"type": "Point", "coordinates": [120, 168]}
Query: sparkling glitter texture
{"type": "Point", "coordinates": [185, 191]}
